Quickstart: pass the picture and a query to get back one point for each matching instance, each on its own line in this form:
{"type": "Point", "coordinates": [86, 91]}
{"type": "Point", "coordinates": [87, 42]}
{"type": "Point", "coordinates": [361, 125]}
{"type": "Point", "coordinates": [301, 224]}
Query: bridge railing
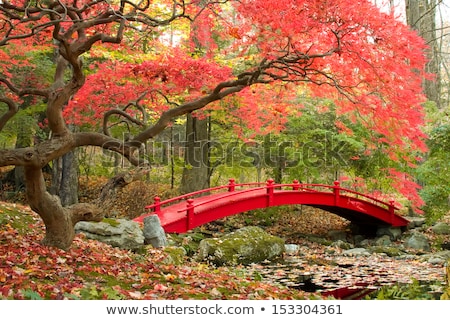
{"type": "Point", "coordinates": [336, 189]}
{"type": "Point", "coordinates": [232, 187]}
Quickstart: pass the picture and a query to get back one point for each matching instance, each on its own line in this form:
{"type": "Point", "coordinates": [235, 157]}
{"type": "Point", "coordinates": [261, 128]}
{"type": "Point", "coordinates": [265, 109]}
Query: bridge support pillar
{"type": "Point", "coordinates": [157, 205]}
{"type": "Point", "coordinates": [269, 187]}
{"type": "Point", "coordinates": [190, 213]}
{"type": "Point", "coordinates": [391, 210]}
{"type": "Point", "coordinates": [231, 185]}
{"type": "Point", "coordinates": [337, 192]}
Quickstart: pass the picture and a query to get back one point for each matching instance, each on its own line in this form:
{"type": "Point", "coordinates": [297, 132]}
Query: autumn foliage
{"type": "Point", "coordinates": [149, 63]}
{"type": "Point", "coordinates": [94, 270]}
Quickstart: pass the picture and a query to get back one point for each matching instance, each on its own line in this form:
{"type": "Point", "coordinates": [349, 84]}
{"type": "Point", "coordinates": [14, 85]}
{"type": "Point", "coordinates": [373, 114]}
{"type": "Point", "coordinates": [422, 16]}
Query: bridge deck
{"type": "Point", "coordinates": [189, 213]}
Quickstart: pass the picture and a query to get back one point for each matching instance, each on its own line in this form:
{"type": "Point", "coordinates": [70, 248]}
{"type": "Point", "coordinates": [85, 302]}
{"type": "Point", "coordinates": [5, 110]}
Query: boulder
{"type": "Point", "coordinates": [342, 245]}
{"type": "Point", "coordinates": [436, 261]}
{"type": "Point", "coordinates": [418, 241]}
{"type": "Point", "coordinates": [120, 233]}
{"type": "Point", "coordinates": [394, 233]}
{"type": "Point", "coordinates": [244, 246]}
{"type": "Point", "coordinates": [336, 235]}
{"type": "Point", "coordinates": [441, 228]}
{"type": "Point", "coordinates": [415, 222]}
{"type": "Point", "coordinates": [175, 255]}
{"type": "Point", "coordinates": [387, 250]}
{"type": "Point", "coordinates": [291, 249]}
{"type": "Point", "coordinates": [383, 241]}
{"type": "Point", "coordinates": [356, 252]}
{"type": "Point", "coordinates": [442, 255]}
{"type": "Point", "coordinates": [153, 232]}
{"type": "Point", "coordinates": [437, 258]}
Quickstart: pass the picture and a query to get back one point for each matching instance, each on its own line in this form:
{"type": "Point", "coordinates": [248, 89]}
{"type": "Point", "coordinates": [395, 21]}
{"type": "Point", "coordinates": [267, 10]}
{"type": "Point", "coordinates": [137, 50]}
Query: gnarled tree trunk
{"type": "Point", "coordinates": [59, 221]}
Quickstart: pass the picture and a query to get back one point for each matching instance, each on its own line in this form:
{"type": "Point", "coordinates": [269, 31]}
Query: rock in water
{"type": "Point", "coordinates": [418, 241]}
{"type": "Point", "coordinates": [244, 246]}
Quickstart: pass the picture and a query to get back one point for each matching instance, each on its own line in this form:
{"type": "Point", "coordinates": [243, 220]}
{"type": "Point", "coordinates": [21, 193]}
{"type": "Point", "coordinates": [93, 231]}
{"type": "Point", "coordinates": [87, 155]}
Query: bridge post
{"type": "Point", "coordinates": [231, 185]}
{"type": "Point", "coordinates": [296, 185]}
{"type": "Point", "coordinates": [157, 206]}
{"type": "Point", "coordinates": [269, 187]}
{"type": "Point", "coordinates": [190, 213]}
{"type": "Point", "coordinates": [391, 209]}
{"type": "Point", "coordinates": [336, 191]}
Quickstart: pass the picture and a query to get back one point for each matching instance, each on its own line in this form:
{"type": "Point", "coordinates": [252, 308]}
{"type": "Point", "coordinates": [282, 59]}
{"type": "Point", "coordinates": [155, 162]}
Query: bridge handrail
{"type": "Point", "coordinates": [388, 204]}
{"type": "Point", "coordinates": [222, 196]}
{"type": "Point", "coordinates": [337, 186]}
{"type": "Point", "coordinates": [195, 193]}
{"type": "Point", "coordinates": [292, 185]}
{"type": "Point", "coordinates": [231, 186]}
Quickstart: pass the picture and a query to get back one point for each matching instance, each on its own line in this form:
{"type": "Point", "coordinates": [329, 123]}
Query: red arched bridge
{"type": "Point", "coordinates": [183, 213]}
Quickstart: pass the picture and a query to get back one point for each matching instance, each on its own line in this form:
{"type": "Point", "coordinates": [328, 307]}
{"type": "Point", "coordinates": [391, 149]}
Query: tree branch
{"type": "Point", "coordinates": [12, 110]}
{"type": "Point", "coordinates": [123, 113]}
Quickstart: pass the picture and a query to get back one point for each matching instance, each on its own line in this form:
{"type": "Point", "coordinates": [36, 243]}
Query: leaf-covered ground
{"type": "Point", "coordinates": [93, 270]}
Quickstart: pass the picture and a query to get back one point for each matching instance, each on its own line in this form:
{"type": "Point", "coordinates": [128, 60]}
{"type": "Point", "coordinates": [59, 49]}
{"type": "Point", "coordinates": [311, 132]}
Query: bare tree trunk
{"type": "Point", "coordinates": [65, 169]}
{"type": "Point", "coordinates": [421, 16]}
{"type": "Point", "coordinates": [65, 178]}
{"type": "Point", "coordinates": [196, 170]}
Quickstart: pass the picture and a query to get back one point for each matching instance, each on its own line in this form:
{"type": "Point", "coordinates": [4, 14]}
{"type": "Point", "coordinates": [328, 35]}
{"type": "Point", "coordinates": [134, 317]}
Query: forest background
{"type": "Point", "coordinates": [201, 92]}
{"type": "Point", "coordinates": [168, 97]}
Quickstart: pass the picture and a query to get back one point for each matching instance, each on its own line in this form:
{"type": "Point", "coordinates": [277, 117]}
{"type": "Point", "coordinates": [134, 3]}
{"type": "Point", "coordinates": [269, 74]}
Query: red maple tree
{"type": "Point", "coordinates": [368, 62]}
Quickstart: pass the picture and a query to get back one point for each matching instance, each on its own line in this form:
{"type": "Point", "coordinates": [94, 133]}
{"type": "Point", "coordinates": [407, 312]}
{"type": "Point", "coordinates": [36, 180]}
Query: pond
{"type": "Point", "coordinates": [331, 272]}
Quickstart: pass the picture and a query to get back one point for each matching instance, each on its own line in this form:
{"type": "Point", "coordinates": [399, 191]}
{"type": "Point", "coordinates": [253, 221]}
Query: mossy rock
{"type": "Point", "coordinates": [244, 246]}
{"type": "Point", "coordinates": [189, 241]}
{"type": "Point", "coordinates": [390, 251]}
{"type": "Point", "coordinates": [112, 222]}
{"type": "Point", "coordinates": [441, 228]}
{"type": "Point", "coordinates": [175, 255]}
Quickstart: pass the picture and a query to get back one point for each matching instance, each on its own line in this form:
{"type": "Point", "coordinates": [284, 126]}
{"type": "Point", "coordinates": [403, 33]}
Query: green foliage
{"type": "Point", "coordinates": [413, 291]}
{"type": "Point", "coordinates": [15, 219]}
{"type": "Point", "coordinates": [25, 123]}
{"type": "Point", "coordinates": [29, 294]}
{"type": "Point", "coordinates": [434, 172]}
{"type": "Point", "coordinates": [94, 162]}
{"type": "Point", "coordinates": [175, 255]}
{"type": "Point", "coordinates": [266, 217]}
{"type": "Point", "coordinates": [94, 293]}
{"type": "Point", "coordinates": [189, 242]}
{"type": "Point", "coordinates": [22, 125]}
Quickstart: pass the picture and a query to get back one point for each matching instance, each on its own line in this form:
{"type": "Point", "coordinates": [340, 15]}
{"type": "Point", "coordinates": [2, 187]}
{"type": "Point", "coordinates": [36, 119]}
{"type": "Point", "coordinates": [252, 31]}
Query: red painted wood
{"type": "Point", "coordinates": [356, 292]}
{"type": "Point", "coordinates": [185, 212]}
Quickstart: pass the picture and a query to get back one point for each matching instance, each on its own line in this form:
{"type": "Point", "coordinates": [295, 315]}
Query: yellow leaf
{"type": "Point", "coordinates": [169, 277]}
